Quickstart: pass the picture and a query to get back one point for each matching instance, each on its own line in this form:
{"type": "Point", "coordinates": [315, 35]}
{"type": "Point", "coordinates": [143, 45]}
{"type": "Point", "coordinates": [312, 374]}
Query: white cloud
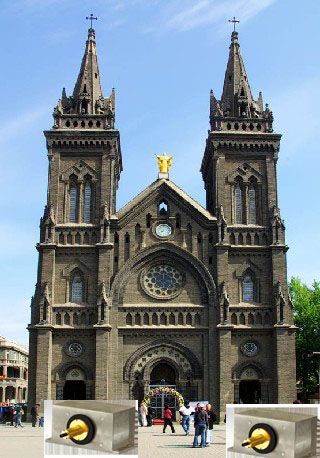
{"type": "Point", "coordinates": [187, 15]}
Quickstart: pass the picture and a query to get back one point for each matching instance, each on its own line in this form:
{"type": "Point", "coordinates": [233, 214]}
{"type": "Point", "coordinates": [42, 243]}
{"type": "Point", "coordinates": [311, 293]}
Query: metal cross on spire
{"type": "Point", "coordinates": [91, 18]}
{"type": "Point", "coordinates": [234, 21]}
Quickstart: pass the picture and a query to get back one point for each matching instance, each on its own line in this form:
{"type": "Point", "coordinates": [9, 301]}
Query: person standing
{"type": "Point", "coordinates": [185, 412]}
{"type": "Point", "coordinates": [201, 425]}
{"type": "Point", "coordinates": [211, 419]}
{"type": "Point", "coordinates": [18, 415]}
{"type": "Point", "coordinates": [34, 414]}
{"type": "Point", "coordinates": [149, 416]}
{"type": "Point", "coordinates": [11, 414]}
{"type": "Point", "coordinates": [143, 414]}
{"type": "Point", "coordinates": [167, 417]}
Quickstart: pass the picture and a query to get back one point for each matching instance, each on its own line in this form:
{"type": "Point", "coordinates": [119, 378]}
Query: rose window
{"type": "Point", "coordinates": [162, 281]}
{"type": "Point", "coordinates": [250, 348]}
{"type": "Point", "coordinates": [75, 349]}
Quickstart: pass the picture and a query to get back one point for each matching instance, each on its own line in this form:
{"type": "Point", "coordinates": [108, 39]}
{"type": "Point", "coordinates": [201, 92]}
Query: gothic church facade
{"type": "Point", "coordinates": [162, 291]}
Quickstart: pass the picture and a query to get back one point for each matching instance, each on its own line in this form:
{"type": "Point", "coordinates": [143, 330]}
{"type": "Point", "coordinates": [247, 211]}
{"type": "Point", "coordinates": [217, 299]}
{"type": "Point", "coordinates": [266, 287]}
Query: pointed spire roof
{"type": "Point", "coordinates": [87, 99]}
{"type": "Point", "coordinates": [88, 85]}
{"type": "Point", "coordinates": [237, 100]}
{"type": "Point", "coordinates": [236, 85]}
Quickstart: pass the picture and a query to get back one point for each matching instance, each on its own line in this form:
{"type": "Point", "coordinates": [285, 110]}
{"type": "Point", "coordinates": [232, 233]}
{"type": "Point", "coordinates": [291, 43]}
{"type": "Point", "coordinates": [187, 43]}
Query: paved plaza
{"type": "Point", "coordinates": [153, 443]}
{"type": "Point", "coordinates": [26, 441]}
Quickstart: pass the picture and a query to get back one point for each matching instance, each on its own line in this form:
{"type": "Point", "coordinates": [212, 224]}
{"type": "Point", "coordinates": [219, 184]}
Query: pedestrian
{"type": "Point", "coordinates": [211, 419]}
{"type": "Point", "coordinates": [167, 417]}
{"type": "Point", "coordinates": [17, 416]}
{"type": "Point", "coordinates": [34, 414]}
{"type": "Point", "coordinates": [41, 422]}
{"type": "Point", "coordinates": [11, 414]}
{"type": "Point", "coordinates": [185, 412]}
{"type": "Point", "coordinates": [201, 425]}
{"type": "Point", "coordinates": [143, 414]}
{"type": "Point", "coordinates": [149, 416]}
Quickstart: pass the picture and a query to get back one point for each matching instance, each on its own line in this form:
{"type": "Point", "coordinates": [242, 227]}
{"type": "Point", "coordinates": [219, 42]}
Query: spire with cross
{"type": "Point", "coordinates": [234, 21]}
{"type": "Point", "coordinates": [91, 18]}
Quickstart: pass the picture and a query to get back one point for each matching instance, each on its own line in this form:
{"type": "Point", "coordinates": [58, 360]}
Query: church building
{"type": "Point", "coordinates": [162, 292]}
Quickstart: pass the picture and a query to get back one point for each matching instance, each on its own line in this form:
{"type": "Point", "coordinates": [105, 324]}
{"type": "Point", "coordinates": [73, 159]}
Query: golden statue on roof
{"type": "Point", "coordinates": [164, 163]}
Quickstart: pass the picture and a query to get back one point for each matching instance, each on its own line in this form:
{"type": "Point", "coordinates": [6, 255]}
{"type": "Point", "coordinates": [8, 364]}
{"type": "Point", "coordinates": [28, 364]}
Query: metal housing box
{"type": "Point", "coordinates": [296, 432]}
{"type": "Point", "coordinates": [114, 424]}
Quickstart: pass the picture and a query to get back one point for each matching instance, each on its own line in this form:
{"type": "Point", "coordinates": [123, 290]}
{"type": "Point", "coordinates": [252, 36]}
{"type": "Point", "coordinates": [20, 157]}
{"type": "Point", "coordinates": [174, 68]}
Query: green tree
{"type": "Point", "coordinates": [306, 310]}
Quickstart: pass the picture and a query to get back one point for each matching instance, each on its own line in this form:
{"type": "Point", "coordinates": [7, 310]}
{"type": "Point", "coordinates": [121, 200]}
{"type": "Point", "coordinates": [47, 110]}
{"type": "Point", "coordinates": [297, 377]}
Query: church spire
{"type": "Point", "coordinates": [87, 99]}
{"type": "Point", "coordinates": [87, 90]}
{"type": "Point", "coordinates": [237, 103]}
{"type": "Point", "coordinates": [236, 95]}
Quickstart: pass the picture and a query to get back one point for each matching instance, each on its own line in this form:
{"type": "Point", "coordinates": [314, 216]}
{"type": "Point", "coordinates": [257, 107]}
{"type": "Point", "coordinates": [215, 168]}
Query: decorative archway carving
{"type": "Point", "coordinates": [145, 358]}
{"type": "Point", "coordinates": [166, 250]}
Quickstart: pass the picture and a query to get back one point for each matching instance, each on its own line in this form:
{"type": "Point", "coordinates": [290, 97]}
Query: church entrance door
{"type": "Point", "coordinates": [74, 389]}
{"type": "Point", "coordinates": [250, 392]}
{"type": "Point", "coordinates": [162, 375]}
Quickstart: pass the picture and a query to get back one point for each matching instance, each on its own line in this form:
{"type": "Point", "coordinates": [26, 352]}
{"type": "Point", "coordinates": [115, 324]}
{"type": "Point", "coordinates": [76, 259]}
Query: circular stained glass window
{"type": "Point", "coordinates": [162, 281]}
{"type": "Point", "coordinates": [249, 348]}
{"type": "Point", "coordinates": [75, 349]}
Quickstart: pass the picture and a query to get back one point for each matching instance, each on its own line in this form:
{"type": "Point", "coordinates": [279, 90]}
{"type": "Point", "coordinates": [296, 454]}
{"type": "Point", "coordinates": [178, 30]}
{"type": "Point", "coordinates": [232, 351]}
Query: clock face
{"type": "Point", "coordinates": [163, 230]}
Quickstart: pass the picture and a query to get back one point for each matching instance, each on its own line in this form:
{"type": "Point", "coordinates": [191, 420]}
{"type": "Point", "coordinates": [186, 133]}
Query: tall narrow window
{"type": "Point", "coordinates": [87, 202]}
{"type": "Point", "coordinates": [247, 287]}
{"type": "Point", "coordinates": [238, 203]}
{"type": "Point", "coordinates": [73, 197]}
{"type": "Point", "coordinates": [77, 289]}
{"type": "Point", "coordinates": [252, 205]}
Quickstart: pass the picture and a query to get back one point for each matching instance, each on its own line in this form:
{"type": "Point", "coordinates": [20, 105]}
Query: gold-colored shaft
{"type": "Point", "coordinates": [77, 428]}
{"type": "Point", "coordinates": [259, 438]}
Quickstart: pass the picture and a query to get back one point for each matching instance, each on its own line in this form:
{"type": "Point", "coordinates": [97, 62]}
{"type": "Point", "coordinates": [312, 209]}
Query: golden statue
{"type": "Point", "coordinates": [164, 163]}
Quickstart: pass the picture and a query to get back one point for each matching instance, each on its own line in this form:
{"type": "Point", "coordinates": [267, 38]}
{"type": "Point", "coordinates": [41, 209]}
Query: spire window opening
{"type": "Point", "coordinates": [77, 289]}
{"type": "Point", "coordinates": [163, 208]}
{"type": "Point", "coordinates": [73, 205]}
{"type": "Point", "coordinates": [248, 289]}
{"type": "Point", "coordinates": [96, 75]}
{"type": "Point", "coordinates": [238, 204]}
{"type": "Point", "coordinates": [87, 202]}
{"type": "Point", "coordinates": [84, 106]}
{"type": "Point", "coordinates": [252, 204]}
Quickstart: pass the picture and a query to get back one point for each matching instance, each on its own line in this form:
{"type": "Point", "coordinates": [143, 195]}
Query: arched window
{"type": "Point", "coordinates": [163, 208]}
{"type": "Point", "coordinates": [73, 203]}
{"type": "Point", "coordinates": [77, 289]}
{"type": "Point", "coordinates": [238, 203]}
{"type": "Point", "coordinates": [87, 202]}
{"type": "Point", "coordinates": [248, 289]}
{"type": "Point", "coordinates": [252, 204]}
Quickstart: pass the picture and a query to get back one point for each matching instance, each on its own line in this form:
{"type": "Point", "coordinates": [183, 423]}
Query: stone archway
{"type": "Point", "coordinates": [250, 384]}
{"type": "Point", "coordinates": [163, 357]}
{"type": "Point", "coordinates": [74, 381]}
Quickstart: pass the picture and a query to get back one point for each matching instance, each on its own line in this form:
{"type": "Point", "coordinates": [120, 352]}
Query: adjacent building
{"type": "Point", "coordinates": [13, 372]}
{"type": "Point", "coordinates": [162, 291]}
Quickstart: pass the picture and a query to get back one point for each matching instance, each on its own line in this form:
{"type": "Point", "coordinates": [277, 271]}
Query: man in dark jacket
{"type": "Point", "coordinates": [34, 414]}
{"type": "Point", "coordinates": [201, 424]}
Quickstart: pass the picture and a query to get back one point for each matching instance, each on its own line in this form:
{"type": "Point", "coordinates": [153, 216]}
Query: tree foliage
{"type": "Point", "coordinates": [306, 309]}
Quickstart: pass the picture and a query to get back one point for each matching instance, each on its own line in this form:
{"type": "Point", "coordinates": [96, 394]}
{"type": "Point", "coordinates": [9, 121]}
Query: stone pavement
{"type": "Point", "coordinates": [26, 442]}
{"type": "Point", "coordinates": [153, 443]}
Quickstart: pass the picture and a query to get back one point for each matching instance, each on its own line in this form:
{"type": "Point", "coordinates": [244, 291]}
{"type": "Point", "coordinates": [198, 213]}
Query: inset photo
{"type": "Point", "coordinates": [91, 428]}
{"type": "Point", "coordinates": [273, 431]}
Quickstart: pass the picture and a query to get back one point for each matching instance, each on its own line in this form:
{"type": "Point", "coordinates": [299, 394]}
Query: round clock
{"type": "Point", "coordinates": [163, 230]}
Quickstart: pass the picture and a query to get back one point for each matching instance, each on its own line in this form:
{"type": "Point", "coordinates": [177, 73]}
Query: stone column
{"type": "Point", "coordinates": [80, 202]}
{"type": "Point", "coordinates": [226, 385]}
{"type": "Point", "coordinates": [102, 361]}
{"type": "Point", "coordinates": [285, 363]}
{"type": "Point", "coordinates": [44, 364]}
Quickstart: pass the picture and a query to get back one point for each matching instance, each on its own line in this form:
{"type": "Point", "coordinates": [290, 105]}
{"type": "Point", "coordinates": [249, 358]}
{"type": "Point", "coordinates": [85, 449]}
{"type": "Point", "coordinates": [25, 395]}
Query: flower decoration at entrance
{"type": "Point", "coordinates": [164, 390]}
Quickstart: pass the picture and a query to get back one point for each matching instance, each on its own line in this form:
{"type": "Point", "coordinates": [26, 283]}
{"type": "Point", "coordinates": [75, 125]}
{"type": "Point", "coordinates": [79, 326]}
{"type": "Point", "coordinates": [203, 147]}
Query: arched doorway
{"type": "Point", "coordinates": [162, 374]}
{"type": "Point", "coordinates": [75, 386]}
{"type": "Point", "coordinates": [249, 387]}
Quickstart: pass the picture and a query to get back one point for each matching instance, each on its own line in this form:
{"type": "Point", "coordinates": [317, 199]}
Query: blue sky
{"type": "Point", "coordinates": [162, 57]}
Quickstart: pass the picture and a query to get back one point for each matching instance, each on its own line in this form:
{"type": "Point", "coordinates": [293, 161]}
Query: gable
{"type": "Point", "coordinates": [80, 169]}
{"type": "Point", "coordinates": [164, 190]}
